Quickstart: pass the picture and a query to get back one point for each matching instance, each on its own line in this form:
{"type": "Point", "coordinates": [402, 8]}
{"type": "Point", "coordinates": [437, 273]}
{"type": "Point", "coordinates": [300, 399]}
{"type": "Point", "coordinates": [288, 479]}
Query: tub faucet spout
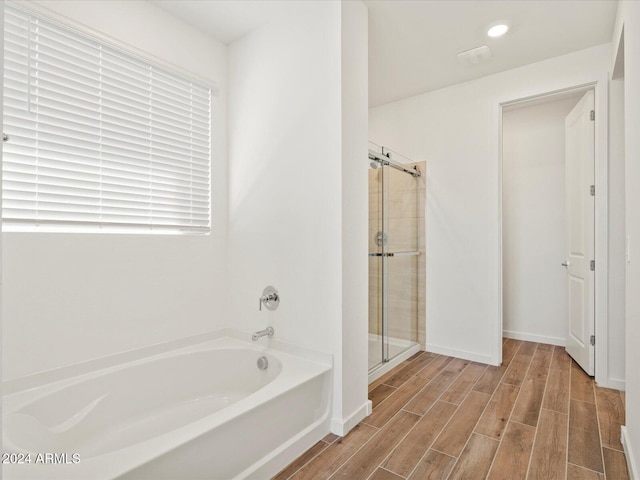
{"type": "Point", "coordinates": [262, 333]}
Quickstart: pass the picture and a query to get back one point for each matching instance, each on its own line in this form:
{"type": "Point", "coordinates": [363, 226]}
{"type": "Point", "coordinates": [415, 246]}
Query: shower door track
{"type": "Point", "coordinates": [384, 160]}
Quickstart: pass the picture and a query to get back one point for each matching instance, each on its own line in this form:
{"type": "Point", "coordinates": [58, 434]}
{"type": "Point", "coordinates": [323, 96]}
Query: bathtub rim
{"type": "Point", "coordinates": [89, 367]}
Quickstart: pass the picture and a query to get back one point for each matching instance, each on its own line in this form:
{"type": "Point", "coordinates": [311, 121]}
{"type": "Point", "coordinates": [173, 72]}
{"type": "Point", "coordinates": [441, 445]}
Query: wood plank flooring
{"type": "Point", "coordinates": [536, 417]}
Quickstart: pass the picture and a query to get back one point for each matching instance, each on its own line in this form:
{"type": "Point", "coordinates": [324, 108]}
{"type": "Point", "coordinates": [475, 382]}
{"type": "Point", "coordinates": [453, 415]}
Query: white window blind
{"type": "Point", "coordinates": [99, 139]}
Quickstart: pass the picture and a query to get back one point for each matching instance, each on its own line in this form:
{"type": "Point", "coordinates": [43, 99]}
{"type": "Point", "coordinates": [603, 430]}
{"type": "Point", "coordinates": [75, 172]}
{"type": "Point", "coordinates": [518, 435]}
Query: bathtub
{"type": "Point", "coordinates": [202, 412]}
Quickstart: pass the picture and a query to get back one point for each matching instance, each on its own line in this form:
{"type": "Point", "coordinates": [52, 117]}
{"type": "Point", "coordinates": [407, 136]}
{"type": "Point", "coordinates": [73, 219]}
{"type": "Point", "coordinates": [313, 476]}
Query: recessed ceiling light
{"type": "Point", "coordinates": [498, 30]}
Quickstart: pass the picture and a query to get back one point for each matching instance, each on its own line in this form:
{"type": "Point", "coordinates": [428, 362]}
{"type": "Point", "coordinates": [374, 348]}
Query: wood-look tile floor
{"type": "Point", "coordinates": [536, 417]}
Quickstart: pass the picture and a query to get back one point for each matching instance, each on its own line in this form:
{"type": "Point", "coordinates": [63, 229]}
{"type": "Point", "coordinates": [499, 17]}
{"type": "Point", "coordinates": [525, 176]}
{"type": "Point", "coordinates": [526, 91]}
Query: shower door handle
{"type": "Point", "coordinates": [396, 254]}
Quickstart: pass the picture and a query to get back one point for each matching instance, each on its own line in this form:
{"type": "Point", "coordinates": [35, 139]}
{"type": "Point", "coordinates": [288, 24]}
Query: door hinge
{"type": "Point", "coordinates": [592, 190]}
{"type": "Point", "coordinates": [592, 265]}
{"type": "Point", "coordinates": [593, 115]}
{"type": "Point", "coordinates": [593, 340]}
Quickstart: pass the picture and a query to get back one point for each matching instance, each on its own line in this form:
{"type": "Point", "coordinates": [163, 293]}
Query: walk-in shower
{"type": "Point", "coordinates": [396, 257]}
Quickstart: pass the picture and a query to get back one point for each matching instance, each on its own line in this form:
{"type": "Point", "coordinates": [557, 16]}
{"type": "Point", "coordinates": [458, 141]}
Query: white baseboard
{"type": "Point", "coordinates": [342, 426]}
{"type": "Point", "coordinates": [530, 337]}
{"type": "Point", "coordinates": [474, 357]}
{"type": "Point", "coordinates": [615, 383]}
{"type": "Point", "coordinates": [634, 473]}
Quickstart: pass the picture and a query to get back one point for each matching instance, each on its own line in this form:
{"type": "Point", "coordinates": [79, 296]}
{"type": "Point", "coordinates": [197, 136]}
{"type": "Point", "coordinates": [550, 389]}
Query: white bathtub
{"type": "Point", "coordinates": [204, 412]}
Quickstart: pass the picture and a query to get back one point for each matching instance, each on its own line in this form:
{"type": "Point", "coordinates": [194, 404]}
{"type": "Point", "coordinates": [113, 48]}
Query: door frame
{"type": "Point", "coordinates": [600, 87]}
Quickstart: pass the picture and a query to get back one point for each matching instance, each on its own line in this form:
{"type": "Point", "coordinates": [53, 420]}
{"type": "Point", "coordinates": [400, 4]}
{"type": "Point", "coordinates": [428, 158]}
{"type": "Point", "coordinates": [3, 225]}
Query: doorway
{"type": "Point", "coordinates": [548, 217]}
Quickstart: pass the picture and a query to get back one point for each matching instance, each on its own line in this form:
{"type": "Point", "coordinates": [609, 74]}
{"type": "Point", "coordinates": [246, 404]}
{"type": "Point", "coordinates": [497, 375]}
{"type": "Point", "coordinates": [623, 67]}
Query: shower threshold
{"type": "Point", "coordinates": [399, 351]}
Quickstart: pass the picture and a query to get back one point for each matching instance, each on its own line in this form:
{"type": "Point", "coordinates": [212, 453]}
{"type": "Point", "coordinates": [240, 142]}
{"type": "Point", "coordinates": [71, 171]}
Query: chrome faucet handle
{"type": "Point", "coordinates": [269, 298]}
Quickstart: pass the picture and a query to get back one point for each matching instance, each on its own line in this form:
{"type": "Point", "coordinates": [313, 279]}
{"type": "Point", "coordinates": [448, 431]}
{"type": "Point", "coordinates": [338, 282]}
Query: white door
{"type": "Point", "coordinates": [579, 241]}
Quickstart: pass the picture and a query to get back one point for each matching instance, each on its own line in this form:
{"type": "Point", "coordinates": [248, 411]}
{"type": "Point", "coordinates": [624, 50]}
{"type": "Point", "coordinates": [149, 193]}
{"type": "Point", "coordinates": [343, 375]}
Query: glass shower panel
{"type": "Point", "coordinates": [400, 262]}
{"type": "Point", "coordinates": [383, 241]}
{"type": "Point", "coordinates": [376, 292]}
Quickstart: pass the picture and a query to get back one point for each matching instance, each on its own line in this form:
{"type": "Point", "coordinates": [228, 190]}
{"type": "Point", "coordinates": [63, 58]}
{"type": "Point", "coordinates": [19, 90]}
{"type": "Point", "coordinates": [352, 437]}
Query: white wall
{"type": "Point", "coordinates": [355, 219]}
{"type": "Point", "coordinates": [286, 185]}
{"type": "Point", "coordinates": [75, 297]}
{"type": "Point", "coordinates": [284, 176]}
{"type": "Point", "coordinates": [1, 123]}
{"type": "Point", "coordinates": [629, 17]}
{"type": "Point", "coordinates": [533, 228]}
{"type": "Point", "coordinates": [617, 237]}
{"type": "Point", "coordinates": [454, 130]}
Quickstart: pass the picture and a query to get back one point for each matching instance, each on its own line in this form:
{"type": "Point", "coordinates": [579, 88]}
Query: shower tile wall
{"type": "Point", "coordinates": [406, 232]}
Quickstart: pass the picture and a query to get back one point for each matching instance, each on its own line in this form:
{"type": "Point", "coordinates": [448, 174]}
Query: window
{"type": "Point", "coordinates": [99, 140]}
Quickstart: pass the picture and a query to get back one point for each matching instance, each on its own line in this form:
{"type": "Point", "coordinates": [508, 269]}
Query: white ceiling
{"type": "Point", "coordinates": [228, 20]}
{"type": "Point", "coordinates": [413, 43]}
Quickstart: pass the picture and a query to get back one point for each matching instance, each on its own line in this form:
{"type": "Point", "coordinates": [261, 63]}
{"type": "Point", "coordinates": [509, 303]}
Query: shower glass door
{"type": "Point", "coordinates": [382, 241]}
{"type": "Point", "coordinates": [400, 262]}
{"type": "Point", "coordinates": [377, 302]}
{"type": "Point", "coordinates": [394, 250]}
